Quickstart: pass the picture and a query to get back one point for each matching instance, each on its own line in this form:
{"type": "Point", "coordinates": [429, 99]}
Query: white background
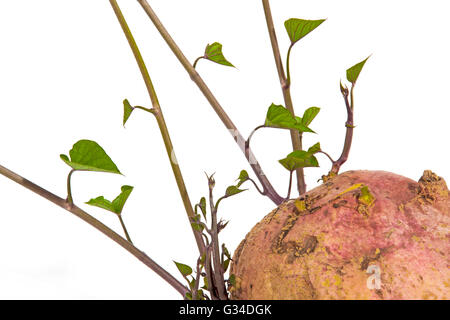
{"type": "Point", "coordinates": [65, 68]}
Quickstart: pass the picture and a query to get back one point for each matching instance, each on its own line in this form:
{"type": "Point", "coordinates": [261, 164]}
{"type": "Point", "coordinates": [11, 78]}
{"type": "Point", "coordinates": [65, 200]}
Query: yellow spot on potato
{"type": "Point", "coordinates": [353, 187]}
{"type": "Point", "coordinates": [300, 205]}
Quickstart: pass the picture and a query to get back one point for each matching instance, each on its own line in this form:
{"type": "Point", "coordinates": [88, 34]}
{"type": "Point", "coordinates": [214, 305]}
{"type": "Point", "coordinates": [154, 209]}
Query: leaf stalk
{"type": "Point", "coordinates": [296, 136]}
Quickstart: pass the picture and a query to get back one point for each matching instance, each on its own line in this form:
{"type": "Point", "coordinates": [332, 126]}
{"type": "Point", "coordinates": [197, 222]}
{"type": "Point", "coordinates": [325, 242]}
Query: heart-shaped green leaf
{"type": "Point", "coordinates": [315, 148]}
{"type": "Point", "coordinates": [127, 110]}
{"type": "Point", "coordinates": [243, 176]}
{"type": "Point", "coordinates": [116, 206]}
{"type": "Point", "coordinates": [353, 72]}
{"type": "Point", "coordinates": [280, 117]}
{"type": "Point", "coordinates": [309, 115]}
{"type": "Point", "coordinates": [232, 190]}
{"type": "Point", "coordinates": [184, 269]}
{"type": "Point", "coordinates": [88, 155]}
{"type": "Point", "coordinates": [299, 28]}
{"type": "Point", "coordinates": [299, 159]}
{"type": "Point", "coordinates": [213, 52]}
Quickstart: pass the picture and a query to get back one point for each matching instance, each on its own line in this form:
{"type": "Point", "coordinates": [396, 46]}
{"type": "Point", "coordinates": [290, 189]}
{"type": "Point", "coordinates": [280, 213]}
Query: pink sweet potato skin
{"type": "Point", "coordinates": [320, 246]}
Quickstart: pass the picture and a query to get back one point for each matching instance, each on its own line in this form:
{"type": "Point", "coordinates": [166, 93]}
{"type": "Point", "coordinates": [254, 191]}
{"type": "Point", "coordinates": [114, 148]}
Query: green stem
{"type": "Point", "coordinates": [270, 191]}
{"type": "Point", "coordinates": [124, 228]}
{"type": "Point", "coordinates": [287, 64]}
{"type": "Point", "coordinates": [97, 225]}
{"type": "Point", "coordinates": [296, 137]}
{"type": "Point", "coordinates": [69, 188]}
{"type": "Point", "coordinates": [161, 122]}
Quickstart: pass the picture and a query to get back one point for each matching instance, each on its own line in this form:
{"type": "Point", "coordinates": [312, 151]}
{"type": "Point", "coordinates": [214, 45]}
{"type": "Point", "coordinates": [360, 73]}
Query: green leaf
{"type": "Point", "coordinates": [309, 115]}
{"type": "Point", "coordinates": [127, 109]}
{"type": "Point", "coordinates": [232, 190]}
{"type": "Point", "coordinates": [232, 280]}
{"type": "Point", "coordinates": [200, 294]}
{"type": "Point", "coordinates": [315, 148]}
{"type": "Point", "coordinates": [353, 72]}
{"type": "Point", "coordinates": [226, 263]}
{"type": "Point", "coordinates": [101, 202]}
{"type": "Point", "coordinates": [213, 52]}
{"type": "Point", "coordinates": [197, 226]}
{"type": "Point", "coordinates": [184, 269]}
{"type": "Point", "coordinates": [202, 205]}
{"type": "Point", "coordinates": [299, 28]}
{"type": "Point", "coordinates": [225, 251]}
{"type": "Point", "coordinates": [188, 296]}
{"type": "Point", "coordinates": [243, 176]}
{"type": "Point", "coordinates": [88, 155]}
{"type": "Point", "coordinates": [116, 206]}
{"type": "Point", "coordinates": [205, 283]}
{"type": "Point", "coordinates": [299, 159]}
{"type": "Point", "coordinates": [120, 200]}
{"type": "Point", "coordinates": [192, 283]}
{"type": "Point", "coordinates": [280, 117]}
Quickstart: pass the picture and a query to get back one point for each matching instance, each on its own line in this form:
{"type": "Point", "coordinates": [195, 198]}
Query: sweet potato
{"type": "Point", "coordinates": [360, 235]}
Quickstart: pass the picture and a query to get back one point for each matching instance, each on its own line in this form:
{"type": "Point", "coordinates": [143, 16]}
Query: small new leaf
{"type": "Point", "coordinates": [192, 283]}
{"type": "Point", "coordinates": [88, 155]}
{"type": "Point", "coordinates": [299, 28]}
{"type": "Point", "coordinates": [197, 226]}
{"type": "Point", "coordinates": [299, 159]}
{"type": "Point", "coordinates": [127, 110]}
{"type": "Point", "coordinates": [232, 280]}
{"type": "Point", "coordinates": [213, 52]}
{"type": "Point", "coordinates": [309, 115]}
{"type": "Point", "coordinates": [202, 205]}
{"type": "Point", "coordinates": [280, 117]}
{"type": "Point", "coordinates": [116, 206]}
{"type": "Point", "coordinates": [353, 72]}
{"type": "Point", "coordinates": [120, 200]}
{"type": "Point", "coordinates": [315, 148]}
{"type": "Point", "coordinates": [185, 270]}
{"type": "Point", "coordinates": [232, 190]}
{"type": "Point", "coordinates": [101, 202]}
{"type": "Point", "coordinates": [225, 265]}
{"type": "Point", "coordinates": [225, 251]}
{"type": "Point", "coordinates": [243, 176]}
{"type": "Point", "coordinates": [205, 283]}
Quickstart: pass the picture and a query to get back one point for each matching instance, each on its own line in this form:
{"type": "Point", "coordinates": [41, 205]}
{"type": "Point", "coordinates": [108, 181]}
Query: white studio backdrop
{"type": "Point", "coordinates": [65, 68]}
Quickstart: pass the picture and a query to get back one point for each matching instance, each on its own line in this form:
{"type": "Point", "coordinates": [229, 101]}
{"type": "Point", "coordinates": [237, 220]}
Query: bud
{"type": "Point", "coordinates": [344, 90]}
{"type": "Point", "coordinates": [211, 181]}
